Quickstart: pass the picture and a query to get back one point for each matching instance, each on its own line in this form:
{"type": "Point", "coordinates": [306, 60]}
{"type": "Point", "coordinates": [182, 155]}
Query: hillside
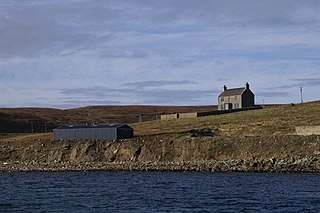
{"type": "Point", "coordinates": [275, 120]}
{"type": "Point", "coordinates": [23, 119]}
{"type": "Point", "coordinates": [260, 141]}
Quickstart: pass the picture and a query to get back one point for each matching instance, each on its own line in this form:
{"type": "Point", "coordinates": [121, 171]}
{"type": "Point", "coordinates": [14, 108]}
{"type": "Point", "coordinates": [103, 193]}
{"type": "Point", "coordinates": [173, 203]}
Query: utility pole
{"type": "Point", "coordinates": [31, 127]}
{"type": "Point", "coordinates": [301, 95]}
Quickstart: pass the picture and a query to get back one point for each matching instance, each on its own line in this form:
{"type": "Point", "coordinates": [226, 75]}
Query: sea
{"type": "Point", "coordinates": [158, 192]}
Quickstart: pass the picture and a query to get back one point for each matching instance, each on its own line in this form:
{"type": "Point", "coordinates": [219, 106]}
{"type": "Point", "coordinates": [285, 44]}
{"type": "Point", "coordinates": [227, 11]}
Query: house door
{"type": "Point", "coordinates": [227, 106]}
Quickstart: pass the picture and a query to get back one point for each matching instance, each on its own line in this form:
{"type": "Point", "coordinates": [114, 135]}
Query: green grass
{"type": "Point", "coordinates": [272, 120]}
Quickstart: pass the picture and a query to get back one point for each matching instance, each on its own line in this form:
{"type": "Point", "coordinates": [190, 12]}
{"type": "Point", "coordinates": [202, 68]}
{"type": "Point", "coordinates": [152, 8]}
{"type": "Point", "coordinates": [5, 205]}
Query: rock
{"type": "Point", "coordinates": [206, 132]}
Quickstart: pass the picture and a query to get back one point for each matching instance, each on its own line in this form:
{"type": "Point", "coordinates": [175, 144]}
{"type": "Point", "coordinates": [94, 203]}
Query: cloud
{"type": "Point", "coordinates": [119, 53]}
{"type": "Point", "coordinates": [71, 103]}
{"type": "Point", "coordinates": [138, 95]}
{"type": "Point", "coordinates": [96, 92]}
{"type": "Point", "coordinates": [299, 82]}
{"type": "Point", "coordinates": [56, 27]}
{"type": "Point", "coordinates": [169, 97]}
{"type": "Point", "coordinates": [128, 52]}
{"type": "Point", "coordinates": [45, 28]}
{"type": "Point", "coordinates": [272, 94]}
{"type": "Point", "coordinates": [236, 13]}
{"type": "Point", "coordinates": [162, 83]}
{"type": "Point", "coordinates": [307, 81]}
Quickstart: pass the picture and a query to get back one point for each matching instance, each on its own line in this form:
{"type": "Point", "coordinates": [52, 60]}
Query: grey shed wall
{"type": "Point", "coordinates": [124, 133]}
{"type": "Point", "coordinates": [93, 133]}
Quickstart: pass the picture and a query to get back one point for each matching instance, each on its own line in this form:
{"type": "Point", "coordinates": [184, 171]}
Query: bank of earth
{"type": "Point", "coordinates": [162, 153]}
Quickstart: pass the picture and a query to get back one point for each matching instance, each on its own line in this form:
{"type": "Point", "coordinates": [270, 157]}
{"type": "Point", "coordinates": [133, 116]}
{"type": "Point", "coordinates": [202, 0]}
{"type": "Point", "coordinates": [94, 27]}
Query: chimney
{"type": "Point", "coordinates": [247, 85]}
{"type": "Point", "coordinates": [224, 88]}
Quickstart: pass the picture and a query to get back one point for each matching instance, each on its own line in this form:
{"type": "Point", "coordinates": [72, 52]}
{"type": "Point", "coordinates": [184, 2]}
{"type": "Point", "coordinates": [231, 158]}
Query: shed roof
{"type": "Point", "coordinates": [231, 92]}
{"type": "Point", "coordinates": [95, 126]}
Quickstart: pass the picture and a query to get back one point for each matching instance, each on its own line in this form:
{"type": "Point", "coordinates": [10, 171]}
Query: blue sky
{"type": "Point", "coordinates": [71, 53]}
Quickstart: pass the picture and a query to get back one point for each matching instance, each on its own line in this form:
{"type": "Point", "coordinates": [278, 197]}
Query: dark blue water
{"type": "Point", "coordinates": [159, 192]}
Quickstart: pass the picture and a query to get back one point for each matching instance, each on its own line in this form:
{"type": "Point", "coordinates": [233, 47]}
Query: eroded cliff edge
{"type": "Point", "coordinates": [175, 152]}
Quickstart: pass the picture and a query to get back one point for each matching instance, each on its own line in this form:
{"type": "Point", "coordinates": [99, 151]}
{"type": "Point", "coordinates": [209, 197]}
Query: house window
{"type": "Point", "coordinates": [236, 97]}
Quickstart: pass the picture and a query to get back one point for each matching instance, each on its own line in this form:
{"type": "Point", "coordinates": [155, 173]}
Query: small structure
{"type": "Point", "coordinates": [179, 115]}
{"type": "Point", "coordinates": [98, 132]}
{"type": "Point", "coordinates": [188, 115]}
{"type": "Point", "coordinates": [308, 130]}
{"type": "Point", "coordinates": [169, 116]}
{"type": "Point", "coordinates": [235, 98]}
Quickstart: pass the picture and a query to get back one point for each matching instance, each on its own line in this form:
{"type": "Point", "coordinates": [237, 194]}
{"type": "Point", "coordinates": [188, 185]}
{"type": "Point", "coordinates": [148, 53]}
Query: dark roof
{"type": "Point", "coordinates": [82, 126]}
{"type": "Point", "coordinates": [231, 92]}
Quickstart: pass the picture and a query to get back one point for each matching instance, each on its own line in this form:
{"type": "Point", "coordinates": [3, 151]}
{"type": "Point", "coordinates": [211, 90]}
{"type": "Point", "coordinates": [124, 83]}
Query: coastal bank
{"type": "Point", "coordinates": [183, 152]}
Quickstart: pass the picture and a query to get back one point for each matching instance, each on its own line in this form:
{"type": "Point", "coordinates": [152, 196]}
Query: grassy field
{"type": "Point", "coordinates": [13, 120]}
{"type": "Point", "coordinates": [275, 120]}
{"type": "Point", "coordinates": [271, 120]}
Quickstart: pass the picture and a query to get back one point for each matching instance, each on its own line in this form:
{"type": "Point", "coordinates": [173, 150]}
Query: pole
{"type": "Point", "coordinates": [301, 94]}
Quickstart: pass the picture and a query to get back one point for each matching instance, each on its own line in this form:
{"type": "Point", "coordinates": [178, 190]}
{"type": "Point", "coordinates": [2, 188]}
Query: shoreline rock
{"type": "Point", "coordinates": [273, 165]}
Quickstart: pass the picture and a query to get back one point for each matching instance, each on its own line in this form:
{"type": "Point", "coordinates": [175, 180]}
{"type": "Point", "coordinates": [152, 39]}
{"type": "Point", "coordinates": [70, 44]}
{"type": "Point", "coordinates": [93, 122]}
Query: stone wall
{"type": "Point", "coordinates": [201, 114]}
{"type": "Point", "coordinates": [188, 115]}
{"type": "Point", "coordinates": [169, 116]}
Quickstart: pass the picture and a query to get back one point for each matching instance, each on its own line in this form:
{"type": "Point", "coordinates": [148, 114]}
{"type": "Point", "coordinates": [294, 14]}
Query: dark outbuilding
{"type": "Point", "coordinates": [98, 132]}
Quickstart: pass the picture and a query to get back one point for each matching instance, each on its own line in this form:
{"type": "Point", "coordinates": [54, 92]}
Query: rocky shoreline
{"type": "Point", "coordinates": [283, 153]}
{"type": "Point", "coordinates": [284, 165]}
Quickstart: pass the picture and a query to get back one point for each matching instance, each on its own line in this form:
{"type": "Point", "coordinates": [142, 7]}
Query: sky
{"type": "Point", "coordinates": [73, 53]}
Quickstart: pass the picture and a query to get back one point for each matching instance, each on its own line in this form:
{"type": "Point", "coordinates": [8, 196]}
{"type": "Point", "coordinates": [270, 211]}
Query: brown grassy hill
{"type": "Point", "coordinates": [279, 120]}
{"type": "Point", "coordinates": [23, 119]}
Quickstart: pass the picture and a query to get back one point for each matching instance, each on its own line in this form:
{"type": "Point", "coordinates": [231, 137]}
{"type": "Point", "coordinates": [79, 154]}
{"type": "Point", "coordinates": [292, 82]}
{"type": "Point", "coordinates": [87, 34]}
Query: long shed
{"type": "Point", "coordinates": [98, 132]}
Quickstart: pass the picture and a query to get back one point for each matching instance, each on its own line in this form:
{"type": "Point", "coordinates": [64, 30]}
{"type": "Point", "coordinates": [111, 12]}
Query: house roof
{"type": "Point", "coordinates": [231, 92]}
{"type": "Point", "coordinates": [84, 126]}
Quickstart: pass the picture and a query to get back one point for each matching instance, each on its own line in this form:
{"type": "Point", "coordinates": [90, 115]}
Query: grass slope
{"type": "Point", "coordinates": [271, 120]}
{"type": "Point", "coordinates": [19, 119]}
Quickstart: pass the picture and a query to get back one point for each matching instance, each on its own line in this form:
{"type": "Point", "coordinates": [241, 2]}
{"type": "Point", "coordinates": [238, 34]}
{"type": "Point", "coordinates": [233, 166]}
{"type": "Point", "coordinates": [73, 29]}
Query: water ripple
{"type": "Point", "coordinates": [158, 192]}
